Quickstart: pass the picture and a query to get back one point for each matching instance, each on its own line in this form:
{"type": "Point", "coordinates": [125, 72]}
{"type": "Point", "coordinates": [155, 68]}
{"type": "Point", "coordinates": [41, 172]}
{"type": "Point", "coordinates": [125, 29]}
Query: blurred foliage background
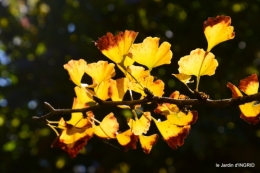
{"type": "Point", "coordinates": [38, 36]}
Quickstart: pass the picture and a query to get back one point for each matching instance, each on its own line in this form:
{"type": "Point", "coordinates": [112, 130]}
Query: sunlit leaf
{"type": "Point", "coordinates": [100, 71]}
{"type": "Point", "coordinates": [198, 63]}
{"type": "Point", "coordinates": [250, 112]}
{"type": "Point", "coordinates": [118, 89]}
{"type": "Point", "coordinates": [107, 128]}
{"type": "Point", "coordinates": [102, 90]}
{"type": "Point", "coordinates": [116, 47]}
{"type": "Point", "coordinates": [218, 30]}
{"type": "Point", "coordinates": [150, 54]}
{"type": "Point", "coordinates": [127, 139]}
{"type": "Point", "coordinates": [147, 142]}
{"type": "Point", "coordinates": [141, 125]}
{"type": "Point", "coordinates": [76, 69]}
{"type": "Point", "coordinates": [181, 119]}
{"type": "Point", "coordinates": [173, 135]}
{"type": "Point", "coordinates": [83, 94]}
{"type": "Point", "coordinates": [183, 78]}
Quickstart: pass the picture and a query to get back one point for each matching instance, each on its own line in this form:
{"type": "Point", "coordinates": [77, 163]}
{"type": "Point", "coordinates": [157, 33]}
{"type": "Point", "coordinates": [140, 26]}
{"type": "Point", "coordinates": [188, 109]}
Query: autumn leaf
{"type": "Point", "coordinates": [198, 63]}
{"type": "Point", "coordinates": [140, 125]}
{"type": "Point", "coordinates": [218, 30]}
{"type": "Point", "coordinates": [150, 54]}
{"type": "Point", "coordinates": [250, 112]}
{"type": "Point", "coordinates": [116, 47]}
{"type": "Point", "coordinates": [76, 69]}
{"type": "Point", "coordinates": [173, 135]}
{"type": "Point", "coordinates": [127, 139]}
{"type": "Point", "coordinates": [147, 142]}
{"type": "Point", "coordinates": [118, 89]}
{"type": "Point", "coordinates": [100, 71]}
{"type": "Point", "coordinates": [72, 139]}
{"type": "Point", "coordinates": [184, 78]}
{"type": "Point", "coordinates": [102, 90]}
{"type": "Point", "coordinates": [107, 128]}
{"type": "Point", "coordinates": [182, 119]}
{"type": "Point", "coordinates": [84, 95]}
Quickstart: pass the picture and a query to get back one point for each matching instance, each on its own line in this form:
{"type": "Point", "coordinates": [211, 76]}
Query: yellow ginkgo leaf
{"type": "Point", "coordinates": [147, 142]}
{"type": "Point", "coordinates": [181, 119]}
{"type": "Point", "coordinates": [84, 95]}
{"type": "Point", "coordinates": [127, 139]}
{"type": "Point", "coordinates": [107, 128]}
{"type": "Point", "coordinates": [183, 78]}
{"type": "Point", "coordinates": [76, 69]}
{"type": "Point", "coordinates": [116, 47]}
{"type": "Point", "coordinates": [174, 135]}
{"type": "Point", "coordinates": [118, 89]}
{"type": "Point", "coordinates": [72, 139]}
{"type": "Point", "coordinates": [250, 112]}
{"type": "Point", "coordinates": [198, 63]}
{"type": "Point", "coordinates": [77, 119]}
{"type": "Point", "coordinates": [156, 87]}
{"type": "Point", "coordinates": [218, 30]}
{"type": "Point", "coordinates": [100, 71]}
{"type": "Point", "coordinates": [149, 54]}
{"type": "Point", "coordinates": [138, 72]}
{"type": "Point", "coordinates": [102, 90]}
{"type": "Point", "coordinates": [141, 125]}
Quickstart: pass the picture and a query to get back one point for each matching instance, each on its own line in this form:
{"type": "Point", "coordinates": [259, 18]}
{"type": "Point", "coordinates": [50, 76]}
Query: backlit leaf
{"type": "Point", "coordinates": [76, 69]}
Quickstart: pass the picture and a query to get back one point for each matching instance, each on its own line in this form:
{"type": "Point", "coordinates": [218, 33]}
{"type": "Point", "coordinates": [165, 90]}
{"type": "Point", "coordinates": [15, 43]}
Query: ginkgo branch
{"type": "Point", "coordinates": [221, 103]}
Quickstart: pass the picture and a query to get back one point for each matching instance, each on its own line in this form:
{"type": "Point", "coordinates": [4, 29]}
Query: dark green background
{"type": "Point", "coordinates": [37, 38]}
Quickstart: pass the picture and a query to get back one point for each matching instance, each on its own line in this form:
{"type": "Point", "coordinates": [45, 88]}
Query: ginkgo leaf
{"type": "Point", "coordinates": [141, 125]}
{"type": "Point", "coordinates": [102, 90]}
{"type": "Point", "coordinates": [249, 85]}
{"type": "Point", "coordinates": [156, 87]}
{"type": "Point", "coordinates": [184, 78]}
{"type": "Point", "coordinates": [181, 119]}
{"type": "Point", "coordinates": [147, 142]}
{"type": "Point", "coordinates": [77, 119]}
{"type": "Point", "coordinates": [84, 95]}
{"type": "Point", "coordinates": [150, 54]}
{"type": "Point", "coordinates": [116, 47]}
{"type": "Point", "coordinates": [107, 128]}
{"type": "Point", "coordinates": [118, 89]}
{"type": "Point", "coordinates": [198, 63]}
{"type": "Point", "coordinates": [138, 72]}
{"type": "Point", "coordinates": [72, 139]}
{"type": "Point", "coordinates": [173, 135]}
{"type": "Point", "coordinates": [76, 69]}
{"type": "Point", "coordinates": [127, 139]}
{"type": "Point", "coordinates": [218, 30]}
{"type": "Point", "coordinates": [100, 71]}
{"type": "Point", "coordinates": [250, 112]}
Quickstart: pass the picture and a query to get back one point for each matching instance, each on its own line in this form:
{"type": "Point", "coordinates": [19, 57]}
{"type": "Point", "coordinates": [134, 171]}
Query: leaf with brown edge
{"type": "Point", "coordinates": [72, 139]}
{"type": "Point", "coordinates": [198, 63]}
{"type": "Point", "coordinates": [100, 71]}
{"type": "Point", "coordinates": [141, 125]}
{"type": "Point", "coordinates": [147, 142]}
{"type": "Point", "coordinates": [250, 112]}
{"type": "Point", "coordinates": [249, 85]}
{"type": "Point", "coordinates": [107, 128]}
{"type": "Point", "coordinates": [149, 54]}
{"type": "Point", "coordinates": [173, 135]}
{"type": "Point", "coordinates": [127, 139]}
{"type": "Point", "coordinates": [218, 30]}
{"type": "Point", "coordinates": [76, 69]}
{"type": "Point", "coordinates": [116, 47]}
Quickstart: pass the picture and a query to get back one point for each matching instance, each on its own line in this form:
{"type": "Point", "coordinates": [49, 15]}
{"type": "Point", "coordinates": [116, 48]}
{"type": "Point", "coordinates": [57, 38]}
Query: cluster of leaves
{"type": "Point", "coordinates": [123, 52]}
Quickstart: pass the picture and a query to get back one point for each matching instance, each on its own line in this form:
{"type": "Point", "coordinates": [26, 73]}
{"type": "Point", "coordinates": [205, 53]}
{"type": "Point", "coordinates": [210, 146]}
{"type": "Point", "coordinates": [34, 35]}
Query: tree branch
{"type": "Point", "coordinates": [211, 103]}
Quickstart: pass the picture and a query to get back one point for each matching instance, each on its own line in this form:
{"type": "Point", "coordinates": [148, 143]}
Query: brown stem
{"type": "Point", "coordinates": [210, 103]}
